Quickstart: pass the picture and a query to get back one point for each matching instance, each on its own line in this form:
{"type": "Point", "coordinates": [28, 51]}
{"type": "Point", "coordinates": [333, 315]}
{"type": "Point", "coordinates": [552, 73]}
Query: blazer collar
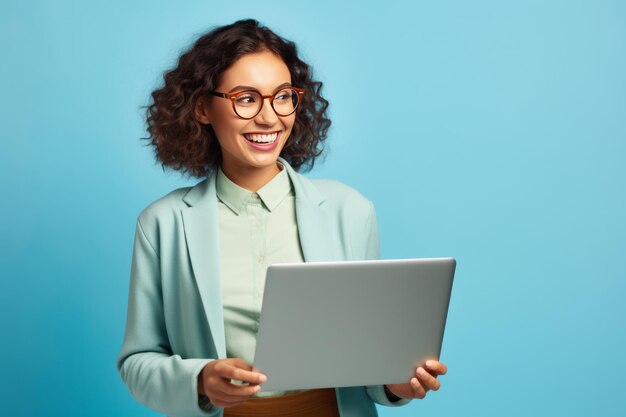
{"type": "Point", "coordinates": [201, 225]}
{"type": "Point", "coordinates": [203, 193]}
{"type": "Point", "coordinates": [305, 190]}
{"type": "Point", "coordinates": [314, 220]}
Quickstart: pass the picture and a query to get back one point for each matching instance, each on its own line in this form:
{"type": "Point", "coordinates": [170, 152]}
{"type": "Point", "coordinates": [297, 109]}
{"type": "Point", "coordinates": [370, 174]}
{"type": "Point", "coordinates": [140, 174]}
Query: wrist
{"type": "Point", "coordinates": [390, 395]}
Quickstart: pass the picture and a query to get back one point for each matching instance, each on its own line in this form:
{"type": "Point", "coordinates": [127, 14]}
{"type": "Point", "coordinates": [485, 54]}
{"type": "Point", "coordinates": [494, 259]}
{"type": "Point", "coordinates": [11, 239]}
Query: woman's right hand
{"type": "Point", "coordinates": [214, 381]}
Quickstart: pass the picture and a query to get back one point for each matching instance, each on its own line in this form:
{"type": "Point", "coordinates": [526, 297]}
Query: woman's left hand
{"type": "Point", "coordinates": [424, 381]}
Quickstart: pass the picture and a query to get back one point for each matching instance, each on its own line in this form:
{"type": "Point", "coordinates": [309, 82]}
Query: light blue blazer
{"type": "Point", "coordinates": [175, 323]}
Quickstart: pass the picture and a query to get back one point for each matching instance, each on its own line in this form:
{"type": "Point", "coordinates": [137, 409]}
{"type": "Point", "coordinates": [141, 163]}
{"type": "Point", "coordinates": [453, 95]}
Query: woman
{"type": "Point", "coordinates": [242, 110]}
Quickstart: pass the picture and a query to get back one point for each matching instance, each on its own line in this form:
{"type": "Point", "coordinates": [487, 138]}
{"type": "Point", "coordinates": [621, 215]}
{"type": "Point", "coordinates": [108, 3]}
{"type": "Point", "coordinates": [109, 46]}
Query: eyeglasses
{"type": "Point", "coordinates": [248, 103]}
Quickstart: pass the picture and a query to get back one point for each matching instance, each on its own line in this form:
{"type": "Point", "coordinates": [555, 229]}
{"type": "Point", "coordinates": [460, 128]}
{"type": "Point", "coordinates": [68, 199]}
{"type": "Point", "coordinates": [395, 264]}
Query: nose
{"type": "Point", "coordinates": [267, 115]}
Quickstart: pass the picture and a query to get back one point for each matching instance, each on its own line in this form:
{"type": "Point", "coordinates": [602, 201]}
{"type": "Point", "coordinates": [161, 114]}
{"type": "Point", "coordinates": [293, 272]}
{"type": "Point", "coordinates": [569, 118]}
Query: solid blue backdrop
{"type": "Point", "coordinates": [489, 131]}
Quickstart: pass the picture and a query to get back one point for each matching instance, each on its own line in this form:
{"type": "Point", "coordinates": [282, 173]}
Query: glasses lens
{"type": "Point", "coordinates": [248, 104]}
{"type": "Point", "coordinates": [285, 101]}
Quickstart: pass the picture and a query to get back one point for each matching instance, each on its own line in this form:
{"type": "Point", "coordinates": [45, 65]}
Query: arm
{"type": "Point", "coordinates": [156, 378]}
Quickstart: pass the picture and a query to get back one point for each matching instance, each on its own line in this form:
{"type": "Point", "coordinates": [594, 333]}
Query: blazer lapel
{"type": "Point", "coordinates": [200, 222]}
{"type": "Point", "coordinates": [314, 222]}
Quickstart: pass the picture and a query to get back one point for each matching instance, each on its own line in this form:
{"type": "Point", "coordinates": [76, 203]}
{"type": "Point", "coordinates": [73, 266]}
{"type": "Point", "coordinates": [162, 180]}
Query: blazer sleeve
{"type": "Point", "coordinates": [372, 251]}
{"type": "Point", "coordinates": [155, 377]}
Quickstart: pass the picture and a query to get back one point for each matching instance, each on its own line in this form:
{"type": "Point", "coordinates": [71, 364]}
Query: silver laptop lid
{"type": "Point", "coordinates": [351, 323]}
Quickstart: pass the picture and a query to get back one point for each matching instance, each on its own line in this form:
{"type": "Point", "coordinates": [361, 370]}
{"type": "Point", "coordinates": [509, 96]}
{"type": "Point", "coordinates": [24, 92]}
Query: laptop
{"type": "Point", "coordinates": [351, 323]}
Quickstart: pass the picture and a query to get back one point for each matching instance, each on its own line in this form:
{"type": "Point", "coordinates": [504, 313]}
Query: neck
{"type": "Point", "coordinates": [250, 178]}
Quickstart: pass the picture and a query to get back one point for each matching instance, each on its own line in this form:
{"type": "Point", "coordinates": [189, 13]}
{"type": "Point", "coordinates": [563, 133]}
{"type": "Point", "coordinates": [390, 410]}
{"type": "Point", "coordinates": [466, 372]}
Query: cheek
{"type": "Point", "coordinates": [289, 124]}
{"type": "Point", "coordinates": [224, 125]}
{"type": "Point", "coordinates": [227, 132]}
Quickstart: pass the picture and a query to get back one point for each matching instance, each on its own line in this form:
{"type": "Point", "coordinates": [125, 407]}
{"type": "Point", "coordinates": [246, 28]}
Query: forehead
{"type": "Point", "coordinates": [261, 70]}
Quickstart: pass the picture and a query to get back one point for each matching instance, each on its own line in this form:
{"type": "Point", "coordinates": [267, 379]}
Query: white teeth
{"type": "Point", "coordinates": [261, 138]}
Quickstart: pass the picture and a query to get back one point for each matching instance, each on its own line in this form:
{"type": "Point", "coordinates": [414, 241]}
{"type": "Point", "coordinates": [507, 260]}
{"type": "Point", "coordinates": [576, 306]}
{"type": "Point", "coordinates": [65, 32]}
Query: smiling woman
{"type": "Point", "coordinates": [250, 146]}
{"type": "Point", "coordinates": [242, 111]}
{"type": "Point", "coordinates": [179, 119]}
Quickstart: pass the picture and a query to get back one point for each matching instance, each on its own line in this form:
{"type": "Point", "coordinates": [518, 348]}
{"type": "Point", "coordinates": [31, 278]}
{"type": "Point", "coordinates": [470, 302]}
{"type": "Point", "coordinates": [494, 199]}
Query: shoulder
{"type": "Point", "coordinates": [340, 192]}
{"type": "Point", "coordinates": [343, 198]}
{"type": "Point", "coordinates": [165, 208]}
{"type": "Point", "coordinates": [353, 216]}
{"type": "Point", "coordinates": [329, 193]}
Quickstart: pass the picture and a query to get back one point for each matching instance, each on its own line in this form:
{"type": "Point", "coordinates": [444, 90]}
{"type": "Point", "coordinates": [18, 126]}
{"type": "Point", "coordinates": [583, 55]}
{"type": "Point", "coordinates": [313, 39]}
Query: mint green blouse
{"type": "Point", "coordinates": [256, 230]}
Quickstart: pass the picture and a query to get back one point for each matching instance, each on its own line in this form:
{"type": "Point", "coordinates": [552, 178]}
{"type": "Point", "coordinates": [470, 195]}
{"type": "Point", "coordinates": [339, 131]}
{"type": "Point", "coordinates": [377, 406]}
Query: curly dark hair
{"type": "Point", "coordinates": [182, 143]}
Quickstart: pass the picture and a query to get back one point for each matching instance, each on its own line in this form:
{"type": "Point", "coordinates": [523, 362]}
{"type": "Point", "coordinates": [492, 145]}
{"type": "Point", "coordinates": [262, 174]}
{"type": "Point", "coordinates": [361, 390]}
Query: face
{"type": "Point", "coordinates": [247, 145]}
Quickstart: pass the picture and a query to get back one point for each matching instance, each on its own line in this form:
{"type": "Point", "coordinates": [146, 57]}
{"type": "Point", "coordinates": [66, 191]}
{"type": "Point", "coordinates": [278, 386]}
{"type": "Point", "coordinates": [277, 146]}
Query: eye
{"type": "Point", "coordinates": [246, 98]}
{"type": "Point", "coordinates": [283, 95]}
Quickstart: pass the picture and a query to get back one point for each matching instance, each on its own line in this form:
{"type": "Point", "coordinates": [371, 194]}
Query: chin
{"type": "Point", "coordinates": [264, 162]}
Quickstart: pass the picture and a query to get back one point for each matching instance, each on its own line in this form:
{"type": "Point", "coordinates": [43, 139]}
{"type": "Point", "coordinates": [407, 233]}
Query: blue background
{"type": "Point", "coordinates": [489, 131]}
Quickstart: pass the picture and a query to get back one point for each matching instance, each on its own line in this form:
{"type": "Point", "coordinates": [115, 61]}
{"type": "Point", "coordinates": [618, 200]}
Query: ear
{"type": "Point", "coordinates": [201, 111]}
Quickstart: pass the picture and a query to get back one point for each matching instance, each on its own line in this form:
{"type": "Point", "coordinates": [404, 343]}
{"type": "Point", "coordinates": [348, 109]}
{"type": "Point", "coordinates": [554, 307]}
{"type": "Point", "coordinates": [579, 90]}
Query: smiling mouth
{"type": "Point", "coordinates": [263, 138]}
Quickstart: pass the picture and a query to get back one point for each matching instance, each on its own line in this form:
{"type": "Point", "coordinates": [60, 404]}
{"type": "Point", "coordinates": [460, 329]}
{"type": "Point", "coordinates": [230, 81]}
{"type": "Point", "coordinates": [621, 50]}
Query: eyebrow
{"type": "Point", "coordinates": [247, 87]}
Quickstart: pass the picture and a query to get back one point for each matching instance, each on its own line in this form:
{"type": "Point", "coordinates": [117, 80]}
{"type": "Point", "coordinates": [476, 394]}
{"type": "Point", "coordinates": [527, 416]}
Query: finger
{"type": "Point", "coordinates": [427, 380]}
{"type": "Point", "coordinates": [439, 368]}
{"type": "Point", "coordinates": [240, 371]}
{"type": "Point", "coordinates": [224, 403]}
{"type": "Point", "coordinates": [247, 376]}
{"type": "Point", "coordinates": [219, 398]}
{"type": "Point", "coordinates": [227, 399]}
{"type": "Point", "coordinates": [223, 398]}
{"type": "Point", "coordinates": [418, 390]}
{"type": "Point", "coordinates": [235, 392]}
